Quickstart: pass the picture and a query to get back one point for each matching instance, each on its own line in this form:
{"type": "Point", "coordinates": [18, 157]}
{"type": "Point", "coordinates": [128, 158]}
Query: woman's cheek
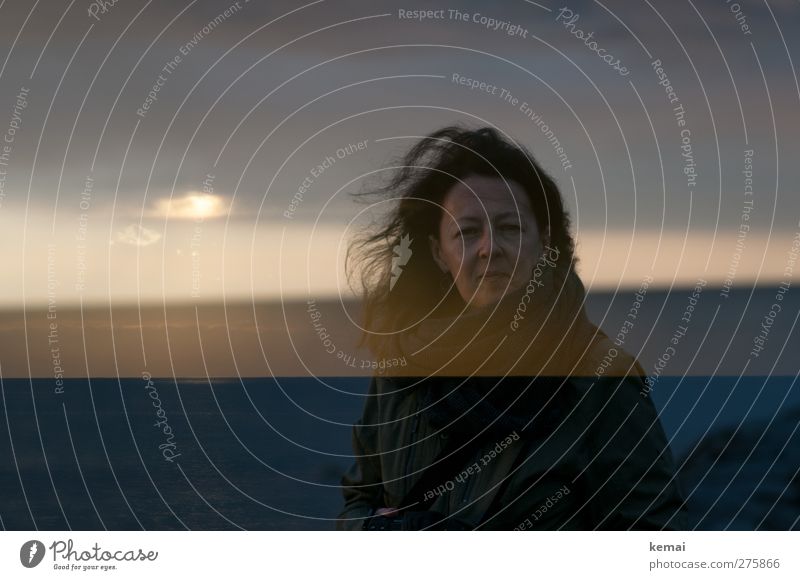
{"type": "Point", "coordinates": [457, 258]}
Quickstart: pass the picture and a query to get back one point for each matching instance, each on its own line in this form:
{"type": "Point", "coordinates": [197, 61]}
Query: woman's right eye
{"type": "Point", "coordinates": [468, 231]}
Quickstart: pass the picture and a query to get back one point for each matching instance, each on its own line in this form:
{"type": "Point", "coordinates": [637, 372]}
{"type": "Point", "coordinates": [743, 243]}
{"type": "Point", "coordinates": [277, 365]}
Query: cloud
{"type": "Point", "coordinates": [137, 235]}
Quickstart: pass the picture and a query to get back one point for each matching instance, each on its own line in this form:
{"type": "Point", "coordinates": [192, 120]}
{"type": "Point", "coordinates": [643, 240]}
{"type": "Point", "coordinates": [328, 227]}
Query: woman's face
{"type": "Point", "coordinates": [488, 239]}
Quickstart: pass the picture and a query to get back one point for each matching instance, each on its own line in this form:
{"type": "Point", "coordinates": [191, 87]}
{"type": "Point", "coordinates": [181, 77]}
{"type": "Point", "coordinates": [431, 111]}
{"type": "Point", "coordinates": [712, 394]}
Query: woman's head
{"type": "Point", "coordinates": [477, 210]}
{"type": "Point", "coordinates": [487, 240]}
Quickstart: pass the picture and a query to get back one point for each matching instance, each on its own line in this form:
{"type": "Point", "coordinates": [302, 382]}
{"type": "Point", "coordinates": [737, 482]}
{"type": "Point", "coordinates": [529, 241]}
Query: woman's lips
{"type": "Point", "coordinates": [492, 275]}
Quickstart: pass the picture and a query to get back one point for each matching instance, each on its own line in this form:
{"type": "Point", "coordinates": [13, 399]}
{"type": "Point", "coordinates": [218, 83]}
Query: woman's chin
{"type": "Point", "coordinates": [487, 297]}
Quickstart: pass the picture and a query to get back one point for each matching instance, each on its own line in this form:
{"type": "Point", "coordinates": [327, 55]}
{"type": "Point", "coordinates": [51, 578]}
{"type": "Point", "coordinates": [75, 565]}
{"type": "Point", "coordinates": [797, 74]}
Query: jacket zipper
{"type": "Point", "coordinates": [412, 441]}
{"type": "Point", "coordinates": [469, 484]}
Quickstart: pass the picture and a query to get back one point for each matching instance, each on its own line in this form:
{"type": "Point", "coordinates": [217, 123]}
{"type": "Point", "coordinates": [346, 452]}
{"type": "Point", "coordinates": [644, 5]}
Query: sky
{"type": "Point", "coordinates": [152, 152]}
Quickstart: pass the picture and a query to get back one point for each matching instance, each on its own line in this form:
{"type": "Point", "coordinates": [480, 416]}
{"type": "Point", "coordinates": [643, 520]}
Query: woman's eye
{"type": "Point", "coordinates": [465, 232]}
{"type": "Point", "coordinates": [509, 228]}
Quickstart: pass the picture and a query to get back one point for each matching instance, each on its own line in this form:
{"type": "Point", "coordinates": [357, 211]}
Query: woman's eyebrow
{"type": "Point", "coordinates": [509, 214]}
{"type": "Point", "coordinates": [501, 216]}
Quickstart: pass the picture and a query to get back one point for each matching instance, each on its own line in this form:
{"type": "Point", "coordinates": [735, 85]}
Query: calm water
{"type": "Point", "coordinates": [268, 454]}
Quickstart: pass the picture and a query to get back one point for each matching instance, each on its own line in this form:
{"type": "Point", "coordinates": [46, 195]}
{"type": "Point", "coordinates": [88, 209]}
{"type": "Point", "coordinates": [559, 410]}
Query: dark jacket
{"type": "Point", "coordinates": [603, 463]}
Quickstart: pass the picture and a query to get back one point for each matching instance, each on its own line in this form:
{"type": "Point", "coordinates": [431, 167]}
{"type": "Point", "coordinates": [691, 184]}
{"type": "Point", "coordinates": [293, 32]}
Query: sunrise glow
{"type": "Point", "coordinates": [192, 206]}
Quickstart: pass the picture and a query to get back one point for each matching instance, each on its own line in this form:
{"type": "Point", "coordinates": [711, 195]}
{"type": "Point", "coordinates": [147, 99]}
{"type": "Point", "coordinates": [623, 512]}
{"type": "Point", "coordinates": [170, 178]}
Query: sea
{"type": "Point", "coordinates": [268, 454]}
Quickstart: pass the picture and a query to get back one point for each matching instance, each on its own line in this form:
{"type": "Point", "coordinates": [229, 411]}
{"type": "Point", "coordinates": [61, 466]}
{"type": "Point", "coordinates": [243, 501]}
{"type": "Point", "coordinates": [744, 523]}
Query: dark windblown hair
{"type": "Point", "coordinates": [423, 177]}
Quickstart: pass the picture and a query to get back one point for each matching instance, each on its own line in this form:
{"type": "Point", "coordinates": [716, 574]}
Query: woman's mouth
{"type": "Point", "coordinates": [494, 275]}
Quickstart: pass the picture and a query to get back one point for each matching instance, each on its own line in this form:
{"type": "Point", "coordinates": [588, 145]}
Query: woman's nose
{"type": "Point", "coordinates": [487, 245]}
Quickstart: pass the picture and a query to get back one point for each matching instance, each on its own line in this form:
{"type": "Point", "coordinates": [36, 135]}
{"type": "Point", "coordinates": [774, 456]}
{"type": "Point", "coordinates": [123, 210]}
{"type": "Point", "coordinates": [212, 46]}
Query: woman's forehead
{"type": "Point", "coordinates": [478, 196]}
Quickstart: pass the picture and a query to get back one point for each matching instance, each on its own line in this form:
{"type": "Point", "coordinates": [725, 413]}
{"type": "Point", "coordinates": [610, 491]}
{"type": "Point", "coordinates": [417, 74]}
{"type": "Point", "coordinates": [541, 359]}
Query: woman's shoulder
{"type": "Point", "coordinates": [609, 404]}
{"type": "Point", "coordinates": [610, 380]}
{"type": "Point", "coordinates": [604, 359]}
{"type": "Point", "coordinates": [603, 388]}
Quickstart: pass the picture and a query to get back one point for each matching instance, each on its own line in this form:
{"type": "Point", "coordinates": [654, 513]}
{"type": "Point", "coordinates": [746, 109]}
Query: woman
{"type": "Point", "coordinates": [508, 411]}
